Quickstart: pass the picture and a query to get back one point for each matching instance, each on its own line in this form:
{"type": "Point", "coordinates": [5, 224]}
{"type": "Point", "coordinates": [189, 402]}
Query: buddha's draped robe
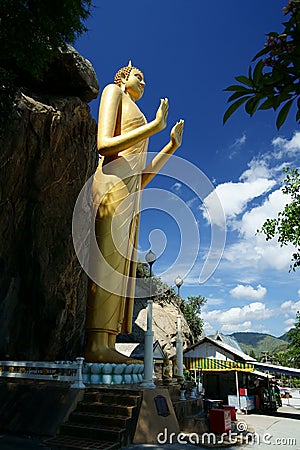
{"type": "Point", "coordinates": [116, 196]}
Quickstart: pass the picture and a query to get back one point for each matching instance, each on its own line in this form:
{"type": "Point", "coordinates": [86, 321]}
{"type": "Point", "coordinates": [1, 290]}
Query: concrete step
{"type": "Point", "coordinates": [103, 408]}
{"type": "Point", "coordinates": [122, 390]}
{"type": "Point", "coordinates": [113, 396]}
{"type": "Point", "coordinates": [118, 399]}
{"type": "Point", "coordinates": [98, 432]}
{"type": "Point", "coordinates": [65, 442]}
{"type": "Point", "coordinates": [103, 419]}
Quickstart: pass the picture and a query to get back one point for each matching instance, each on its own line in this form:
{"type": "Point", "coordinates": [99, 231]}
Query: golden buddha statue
{"type": "Point", "coordinates": [122, 142]}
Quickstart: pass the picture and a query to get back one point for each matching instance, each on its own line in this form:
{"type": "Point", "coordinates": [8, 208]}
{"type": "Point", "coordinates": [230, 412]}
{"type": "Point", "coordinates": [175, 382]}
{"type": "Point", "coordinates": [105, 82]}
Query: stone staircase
{"type": "Point", "coordinates": [105, 419]}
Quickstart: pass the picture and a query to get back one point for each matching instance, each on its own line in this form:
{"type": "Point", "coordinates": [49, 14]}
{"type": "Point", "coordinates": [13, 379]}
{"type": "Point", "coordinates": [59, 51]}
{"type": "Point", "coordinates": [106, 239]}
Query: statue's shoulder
{"type": "Point", "coordinates": [112, 89]}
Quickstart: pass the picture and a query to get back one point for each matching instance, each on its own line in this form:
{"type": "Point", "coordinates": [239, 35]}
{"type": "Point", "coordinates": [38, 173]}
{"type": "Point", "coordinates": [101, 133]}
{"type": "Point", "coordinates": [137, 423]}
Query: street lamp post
{"type": "Point", "coordinates": [148, 352]}
{"type": "Point", "coordinates": [179, 343]}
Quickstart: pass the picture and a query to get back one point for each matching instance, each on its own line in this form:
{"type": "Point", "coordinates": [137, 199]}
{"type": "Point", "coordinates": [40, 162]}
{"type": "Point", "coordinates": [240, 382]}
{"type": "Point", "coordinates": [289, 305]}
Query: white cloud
{"type": "Point", "coordinates": [257, 169]}
{"type": "Point", "coordinates": [298, 292]}
{"type": "Point", "coordinates": [215, 301]}
{"type": "Point", "coordinates": [234, 197]}
{"type": "Point", "coordinates": [286, 304]}
{"type": "Point", "coordinates": [257, 254]}
{"type": "Point", "coordinates": [238, 315]}
{"type": "Point", "coordinates": [285, 147]}
{"type": "Point", "coordinates": [291, 306]}
{"type": "Point", "coordinates": [239, 141]}
{"type": "Point", "coordinates": [208, 328]}
{"type": "Point", "coordinates": [248, 291]}
{"type": "Point", "coordinates": [249, 202]}
{"type": "Point", "coordinates": [255, 217]}
{"type": "Point", "coordinates": [289, 309]}
{"type": "Point", "coordinates": [252, 247]}
{"type": "Point", "coordinates": [245, 326]}
{"type": "Point", "coordinates": [290, 322]}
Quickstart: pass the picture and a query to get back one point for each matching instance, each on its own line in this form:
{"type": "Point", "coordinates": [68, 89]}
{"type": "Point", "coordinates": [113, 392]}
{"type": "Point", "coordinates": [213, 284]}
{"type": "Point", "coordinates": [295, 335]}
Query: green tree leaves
{"type": "Point", "coordinates": [234, 107]}
{"type": "Point", "coordinates": [294, 343]}
{"type": "Point", "coordinates": [286, 227]}
{"type": "Point", "coordinates": [275, 79]}
{"type": "Point", "coordinates": [190, 307]}
{"type": "Point", "coordinates": [32, 31]}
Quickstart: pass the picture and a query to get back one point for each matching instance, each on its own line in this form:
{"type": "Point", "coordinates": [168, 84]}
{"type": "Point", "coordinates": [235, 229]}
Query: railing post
{"type": "Point", "coordinates": [79, 379]}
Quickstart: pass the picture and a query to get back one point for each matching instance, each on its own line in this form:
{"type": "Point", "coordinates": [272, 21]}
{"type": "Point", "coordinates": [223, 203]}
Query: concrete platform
{"type": "Point", "coordinates": [33, 411]}
{"type": "Point", "coordinates": [35, 408]}
{"type": "Point", "coordinates": [278, 427]}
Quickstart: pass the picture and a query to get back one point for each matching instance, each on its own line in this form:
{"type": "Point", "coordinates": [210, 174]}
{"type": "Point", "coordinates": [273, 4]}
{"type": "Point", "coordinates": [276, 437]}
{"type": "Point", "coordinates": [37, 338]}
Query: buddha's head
{"type": "Point", "coordinates": [131, 80]}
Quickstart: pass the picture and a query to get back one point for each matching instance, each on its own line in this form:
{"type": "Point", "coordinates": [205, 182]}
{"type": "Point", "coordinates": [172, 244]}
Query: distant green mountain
{"type": "Point", "coordinates": [284, 336]}
{"type": "Point", "coordinates": [259, 342]}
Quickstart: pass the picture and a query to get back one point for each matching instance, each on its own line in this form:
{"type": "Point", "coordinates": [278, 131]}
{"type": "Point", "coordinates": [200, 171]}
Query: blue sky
{"type": "Point", "coordinates": [190, 52]}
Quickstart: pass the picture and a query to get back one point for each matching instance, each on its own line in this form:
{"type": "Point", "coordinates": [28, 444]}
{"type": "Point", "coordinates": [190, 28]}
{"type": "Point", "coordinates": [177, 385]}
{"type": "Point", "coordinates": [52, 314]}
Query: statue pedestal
{"type": "Point", "coordinates": [111, 373]}
{"type": "Point", "coordinates": [182, 396]}
{"type": "Point", "coordinates": [153, 425]}
{"type": "Point", "coordinates": [193, 392]}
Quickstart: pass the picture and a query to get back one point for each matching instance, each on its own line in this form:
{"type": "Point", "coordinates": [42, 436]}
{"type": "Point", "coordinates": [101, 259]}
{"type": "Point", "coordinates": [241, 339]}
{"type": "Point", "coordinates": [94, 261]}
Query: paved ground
{"type": "Point", "coordinates": [10, 442]}
{"type": "Point", "coordinates": [272, 432]}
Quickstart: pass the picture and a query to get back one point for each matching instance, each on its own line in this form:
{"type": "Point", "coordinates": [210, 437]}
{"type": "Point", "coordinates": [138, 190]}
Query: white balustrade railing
{"type": "Point", "coordinates": [79, 374]}
{"type": "Point", "coordinates": [69, 371]}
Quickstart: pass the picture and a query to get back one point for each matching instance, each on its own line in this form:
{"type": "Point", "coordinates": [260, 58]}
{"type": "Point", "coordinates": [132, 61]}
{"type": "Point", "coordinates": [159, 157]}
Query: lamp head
{"type": "Point", "coordinates": [179, 281]}
{"type": "Point", "coordinates": [150, 257]}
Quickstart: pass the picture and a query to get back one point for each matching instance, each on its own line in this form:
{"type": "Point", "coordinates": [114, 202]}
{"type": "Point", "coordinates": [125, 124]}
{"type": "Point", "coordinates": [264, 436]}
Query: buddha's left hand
{"type": "Point", "coordinates": [176, 134]}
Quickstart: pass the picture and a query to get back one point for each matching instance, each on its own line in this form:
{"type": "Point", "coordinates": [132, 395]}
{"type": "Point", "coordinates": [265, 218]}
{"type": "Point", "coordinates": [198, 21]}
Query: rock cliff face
{"type": "Point", "coordinates": [46, 156]}
{"type": "Point", "coordinates": [164, 323]}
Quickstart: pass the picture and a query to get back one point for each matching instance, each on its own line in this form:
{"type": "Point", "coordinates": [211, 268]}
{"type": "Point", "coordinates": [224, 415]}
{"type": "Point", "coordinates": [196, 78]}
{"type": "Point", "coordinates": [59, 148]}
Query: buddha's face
{"type": "Point", "coordinates": [135, 84]}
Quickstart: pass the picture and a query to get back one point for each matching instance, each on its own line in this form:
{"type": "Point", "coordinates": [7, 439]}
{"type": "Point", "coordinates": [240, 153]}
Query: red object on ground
{"type": "Point", "coordinates": [257, 402]}
{"type": "Point", "coordinates": [219, 421]}
{"type": "Point", "coordinates": [232, 411]}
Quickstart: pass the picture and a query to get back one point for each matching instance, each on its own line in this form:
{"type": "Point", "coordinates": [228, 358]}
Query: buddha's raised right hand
{"type": "Point", "coordinates": [162, 114]}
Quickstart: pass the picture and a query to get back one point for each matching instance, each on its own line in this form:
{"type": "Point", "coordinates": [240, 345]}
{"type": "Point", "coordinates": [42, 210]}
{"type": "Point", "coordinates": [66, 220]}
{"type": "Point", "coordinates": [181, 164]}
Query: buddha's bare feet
{"type": "Point", "coordinates": [109, 355]}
